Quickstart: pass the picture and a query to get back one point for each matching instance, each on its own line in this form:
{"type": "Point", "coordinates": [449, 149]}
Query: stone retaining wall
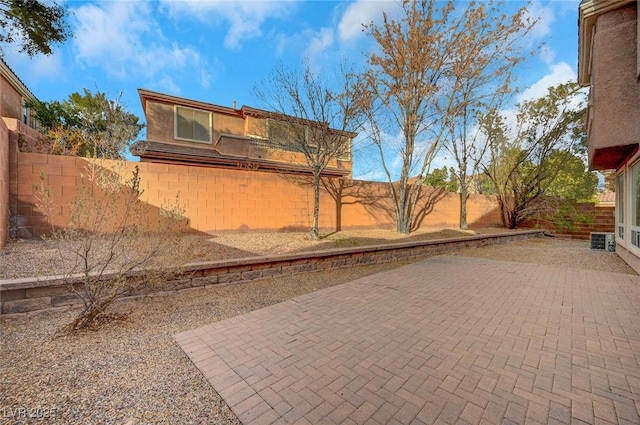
{"type": "Point", "coordinates": [21, 298]}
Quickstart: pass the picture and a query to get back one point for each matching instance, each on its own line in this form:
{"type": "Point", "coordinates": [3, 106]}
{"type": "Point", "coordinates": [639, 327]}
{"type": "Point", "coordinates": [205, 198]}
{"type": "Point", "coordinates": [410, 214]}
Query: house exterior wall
{"type": "Point", "coordinates": [237, 135]}
{"type": "Point", "coordinates": [614, 115]}
{"type": "Point", "coordinates": [10, 100]}
{"type": "Point", "coordinates": [218, 200]}
{"type": "Point", "coordinates": [609, 62]}
{"type": "Point", "coordinates": [14, 127]}
{"type": "Point", "coordinates": [161, 125]}
{"type": "Point", "coordinates": [4, 183]}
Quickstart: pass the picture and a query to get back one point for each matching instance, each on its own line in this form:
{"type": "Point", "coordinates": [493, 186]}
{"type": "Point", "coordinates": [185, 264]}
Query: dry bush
{"type": "Point", "coordinates": [113, 242]}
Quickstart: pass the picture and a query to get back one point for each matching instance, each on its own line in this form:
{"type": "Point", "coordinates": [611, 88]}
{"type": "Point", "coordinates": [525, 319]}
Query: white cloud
{"type": "Point", "coordinates": [559, 73]}
{"type": "Point", "coordinates": [245, 18]}
{"type": "Point", "coordinates": [167, 85]}
{"type": "Point", "coordinates": [545, 16]}
{"type": "Point", "coordinates": [361, 12]}
{"type": "Point", "coordinates": [566, 6]}
{"type": "Point", "coordinates": [205, 79]}
{"type": "Point", "coordinates": [124, 39]}
{"type": "Point", "coordinates": [39, 67]}
{"type": "Point", "coordinates": [370, 175]}
{"type": "Point", "coordinates": [547, 55]}
{"type": "Point", "coordinates": [47, 67]}
{"type": "Point", "coordinates": [320, 41]}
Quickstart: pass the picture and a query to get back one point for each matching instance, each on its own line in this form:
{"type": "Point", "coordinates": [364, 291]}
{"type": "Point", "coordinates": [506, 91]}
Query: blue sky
{"type": "Point", "coordinates": [217, 51]}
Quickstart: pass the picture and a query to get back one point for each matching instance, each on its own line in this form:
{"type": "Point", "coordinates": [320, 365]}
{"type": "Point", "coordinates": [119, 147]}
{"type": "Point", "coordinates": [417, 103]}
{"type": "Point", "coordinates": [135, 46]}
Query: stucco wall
{"type": "Point", "coordinates": [10, 100]}
{"type": "Point", "coordinates": [615, 89]}
{"type": "Point", "coordinates": [237, 200]}
{"type": "Point", "coordinates": [4, 183]}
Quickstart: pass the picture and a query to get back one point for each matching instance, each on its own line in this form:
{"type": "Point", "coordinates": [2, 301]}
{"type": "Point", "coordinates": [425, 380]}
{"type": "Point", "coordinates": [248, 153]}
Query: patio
{"type": "Point", "coordinates": [445, 340]}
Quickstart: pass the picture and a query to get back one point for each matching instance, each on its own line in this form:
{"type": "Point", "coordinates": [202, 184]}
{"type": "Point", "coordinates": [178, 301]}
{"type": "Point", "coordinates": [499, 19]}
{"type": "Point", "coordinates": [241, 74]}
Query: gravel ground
{"type": "Point", "coordinates": [132, 372]}
{"type": "Point", "coordinates": [37, 257]}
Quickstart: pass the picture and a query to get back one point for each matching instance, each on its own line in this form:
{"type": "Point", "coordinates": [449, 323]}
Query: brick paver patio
{"type": "Point", "coordinates": [446, 340]}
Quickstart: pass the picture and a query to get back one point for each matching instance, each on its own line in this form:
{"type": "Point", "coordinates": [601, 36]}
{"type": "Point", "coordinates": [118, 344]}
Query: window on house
{"type": "Point", "coordinates": [193, 125]}
{"type": "Point", "coordinates": [344, 153]}
{"type": "Point", "coordinates": [285, 134]}
{"type": "Point", "coordinates": [25, 113]}
{"type": "Point", "coordinates": [620, 204]}
{"type": "Point", "coordinates": [635, 207]}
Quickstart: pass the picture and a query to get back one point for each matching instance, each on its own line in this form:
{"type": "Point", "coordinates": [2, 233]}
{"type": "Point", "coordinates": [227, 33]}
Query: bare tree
{"type": "Point", "coordinates": [481, 80]}
{"type": "Point", "coordinates": [113, 243]}
{"type": "Point", "coordinates": [314, 118]}
{"type": "Point", "coordinates": [523, 162]}
{"type": "Point", "coordinates": [421, 64]}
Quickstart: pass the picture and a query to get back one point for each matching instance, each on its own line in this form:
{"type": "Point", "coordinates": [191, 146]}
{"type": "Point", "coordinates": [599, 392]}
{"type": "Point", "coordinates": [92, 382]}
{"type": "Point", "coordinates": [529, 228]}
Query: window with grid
{"type": "Point", "coordinates": [193, 125]}
{"type": "Point", "coordinates": [286, 134]}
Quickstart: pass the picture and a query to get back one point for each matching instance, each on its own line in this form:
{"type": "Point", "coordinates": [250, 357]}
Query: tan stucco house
{"type": "Point", "coordinates": [13, 97]}
{"type": "Point", "coordinates": [17, 124]}
{"type": "Point", "coordinates": [191, 132]}
{"type": "Point", "coordinates": [609, 63]}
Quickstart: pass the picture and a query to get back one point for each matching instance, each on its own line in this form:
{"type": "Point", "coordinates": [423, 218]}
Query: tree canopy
{"type": "Point", "coordinates": [526, 159]}
{"type": "Point", "coordinates": [34, 25]}
{"type": "Point", "coordinates": [431, 64]}
{"type": "Point", "coordinates": [87, 124]}
{"type": "Point", "coordinates": [440, 178]}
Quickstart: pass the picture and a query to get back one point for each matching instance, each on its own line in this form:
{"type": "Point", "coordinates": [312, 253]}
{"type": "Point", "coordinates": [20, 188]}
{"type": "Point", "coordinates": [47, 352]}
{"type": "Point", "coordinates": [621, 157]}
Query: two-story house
{"type": "Point", "coordinates": [609, 62]}
{"type": "Point", "coordinates": [190, 132]}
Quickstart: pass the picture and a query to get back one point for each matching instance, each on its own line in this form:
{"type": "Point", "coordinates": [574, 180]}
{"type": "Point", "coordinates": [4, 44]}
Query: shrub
{"type": "Point", "coordinates": [114, 242]}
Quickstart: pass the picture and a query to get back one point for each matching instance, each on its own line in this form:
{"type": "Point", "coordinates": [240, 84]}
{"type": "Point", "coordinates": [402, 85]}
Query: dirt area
{"type": "Point", "coordinates": [133, 372]}
{"type": "Point", "coordinates": [38, 257]}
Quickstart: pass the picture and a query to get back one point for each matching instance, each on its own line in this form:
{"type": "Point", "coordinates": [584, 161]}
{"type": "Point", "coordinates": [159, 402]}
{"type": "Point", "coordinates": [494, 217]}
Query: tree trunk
{"type": "Point", "coordinates": [403, 224]}
{"type": "Point", "coordinates": [503, 211]}
{"type": "Point", "coordinates": [463, 206]}
{"type": "Point", "coordinates": [316, 208]}
{"type": "Point", "coordinates": [339, 208]}
{"type": "Point", "coordinates": [403, 220]}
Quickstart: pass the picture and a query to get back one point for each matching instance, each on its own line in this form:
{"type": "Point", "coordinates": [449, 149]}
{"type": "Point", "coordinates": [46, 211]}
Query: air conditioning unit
{"type": "Point", "coordinates": [603, 241]}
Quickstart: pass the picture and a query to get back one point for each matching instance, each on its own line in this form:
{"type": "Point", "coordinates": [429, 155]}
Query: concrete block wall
{"type": "Point", "coordinates": [240, 200]}
{"type": "Point", "coordinates": [601, 219]}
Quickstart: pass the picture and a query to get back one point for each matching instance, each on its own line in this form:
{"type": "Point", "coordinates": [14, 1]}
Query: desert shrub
{"type": "Point", "coordinates": [113, 242]}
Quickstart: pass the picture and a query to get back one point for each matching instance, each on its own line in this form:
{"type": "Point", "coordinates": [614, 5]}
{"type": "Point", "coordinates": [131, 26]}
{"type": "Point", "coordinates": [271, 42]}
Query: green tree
{"type": "Point", "coordinates": [88, 124]}
{"type": "Point", "coordinates": [524, 161]}
{"type": "Point", "coordinates": [440, 178]}
{"type": "Point", "coordinates": [34, 25]}
{"type": "Point", "coordinates": [423, 63]}
{"type": "Point", "coordinates": [574, 182]}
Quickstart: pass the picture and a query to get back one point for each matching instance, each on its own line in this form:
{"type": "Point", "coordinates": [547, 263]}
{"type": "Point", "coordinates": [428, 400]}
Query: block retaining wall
{"type": "Point", "coordinates": [23, 298]}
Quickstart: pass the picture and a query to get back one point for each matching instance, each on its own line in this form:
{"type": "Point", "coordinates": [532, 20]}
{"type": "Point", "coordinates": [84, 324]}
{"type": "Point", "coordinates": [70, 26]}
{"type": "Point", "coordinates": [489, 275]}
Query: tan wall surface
{"type": "Point", "coordinates": [615, 89]}
{"type": "Point", "coordinates": [237, 200]}
{"type": "Point", "coordinates": [598, 219]}
{"type": "Point", "coordinates": [10, 100]}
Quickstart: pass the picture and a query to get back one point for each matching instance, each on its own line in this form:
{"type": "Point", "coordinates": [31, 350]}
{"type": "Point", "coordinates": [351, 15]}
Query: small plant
{"type": "Point", "coordinates": [568, 217]}
{"type": "Point", "coordinates": [113, 242]}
